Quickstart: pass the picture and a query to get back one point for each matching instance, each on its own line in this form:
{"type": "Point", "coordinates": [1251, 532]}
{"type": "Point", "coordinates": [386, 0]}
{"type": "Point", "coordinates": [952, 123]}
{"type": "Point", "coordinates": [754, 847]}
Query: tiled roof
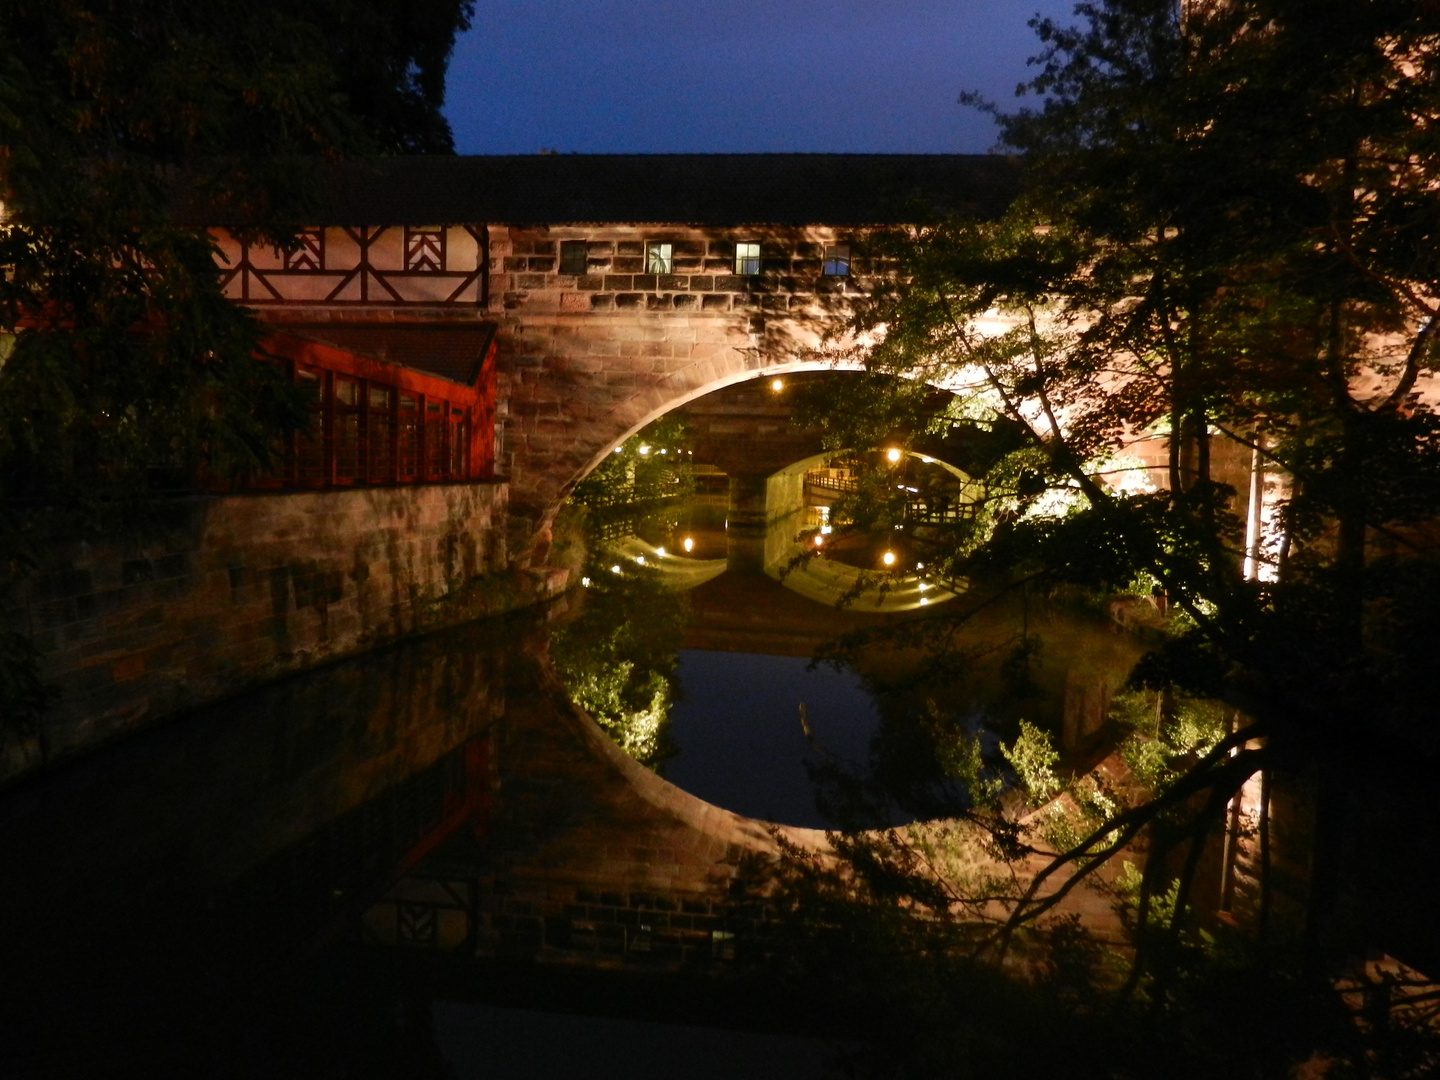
{"type": "Point", "coordinates": [454, 352]}
{"type": "Point", "coordinates": [700, 189]}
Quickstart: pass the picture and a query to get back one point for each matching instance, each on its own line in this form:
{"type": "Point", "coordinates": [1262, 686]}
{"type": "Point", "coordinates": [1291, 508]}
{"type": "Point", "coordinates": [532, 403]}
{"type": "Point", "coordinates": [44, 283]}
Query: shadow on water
{"type": "Point", "coordinates": [345, 874]}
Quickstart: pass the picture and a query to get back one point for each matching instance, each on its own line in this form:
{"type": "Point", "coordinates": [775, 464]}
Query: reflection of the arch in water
{"type": "Point", "coordinates": [441, 797]}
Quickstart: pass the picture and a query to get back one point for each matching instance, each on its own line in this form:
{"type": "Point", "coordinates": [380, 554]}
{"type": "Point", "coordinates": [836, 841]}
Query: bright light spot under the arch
{"type": "Point", "coordinates": [888, 558]}
{"type": "Point", "coordinates": [778, 385]}
{"type": "Point", "coordinates": [892, 454]}
{"type": "Point", "coordinates": [819, 540]}
{"type": "Point", "coordinates": [689, 544]}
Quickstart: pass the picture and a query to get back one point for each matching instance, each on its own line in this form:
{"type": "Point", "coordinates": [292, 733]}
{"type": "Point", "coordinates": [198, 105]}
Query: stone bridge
{"type": "Point", "coordinates": [622, 287]}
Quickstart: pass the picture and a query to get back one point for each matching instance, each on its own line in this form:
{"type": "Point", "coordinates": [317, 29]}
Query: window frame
{"type": "Point", "coordinates": [747, 264]}
{"type": "Point", "coordinates": [574, 248]}
{"type": "Point", "coordinates": [836, 261]}
{"type": "Point", "coordinates": [659, 257]}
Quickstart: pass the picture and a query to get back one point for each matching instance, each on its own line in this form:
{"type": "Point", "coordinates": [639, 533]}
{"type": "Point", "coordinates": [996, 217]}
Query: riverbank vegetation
{"type": "Point", "coordinates": [1226, 248]}
{"type": "Point", "coordinates": [124, 372]}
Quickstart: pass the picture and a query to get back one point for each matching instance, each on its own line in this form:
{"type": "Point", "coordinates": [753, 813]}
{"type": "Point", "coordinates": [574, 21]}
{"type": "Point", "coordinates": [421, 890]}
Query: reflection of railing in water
{"type": "Point", "coordinates": [298, 895]}
{"type": "Point", "coordinates": [615, 521]}
{"type": "Point", "coordinates": [613, 514]}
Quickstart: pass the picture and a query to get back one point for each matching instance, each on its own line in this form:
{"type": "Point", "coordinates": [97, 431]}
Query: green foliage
{"type": "Point", "coordinates": [1033, 757]}
{"type": "Point", "coordinates": [639, 485]}
{"type": "Point", "coordinates": [618, 657]}
{"type": "Point", "coordinates": [124, 372]}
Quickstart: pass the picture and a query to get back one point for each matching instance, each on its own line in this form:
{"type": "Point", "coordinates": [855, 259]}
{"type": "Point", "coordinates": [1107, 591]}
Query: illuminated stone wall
{"type": "Point", "coordinates": [228, 592]}
{"type": "Point", "coordinates": [587, 359]}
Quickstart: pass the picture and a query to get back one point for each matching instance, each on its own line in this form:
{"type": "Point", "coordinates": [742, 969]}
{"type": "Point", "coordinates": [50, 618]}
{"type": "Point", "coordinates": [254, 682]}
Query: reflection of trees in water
{"type": "Point", "coordinates": [640, 485]}
{"type": "Point", "coordinates": [618, 656]}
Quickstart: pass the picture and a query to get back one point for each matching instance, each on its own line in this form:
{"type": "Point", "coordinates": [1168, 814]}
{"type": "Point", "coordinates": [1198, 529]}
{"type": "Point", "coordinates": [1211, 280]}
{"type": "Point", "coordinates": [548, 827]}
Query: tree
{"type": "Point", "coordinates": [123, 369]}
{"type": "Point", "coordinates": [1228, 231]}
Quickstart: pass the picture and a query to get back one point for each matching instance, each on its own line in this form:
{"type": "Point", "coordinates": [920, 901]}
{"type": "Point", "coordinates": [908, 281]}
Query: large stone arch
{"type": "Point", "coordinates": [561, 412]}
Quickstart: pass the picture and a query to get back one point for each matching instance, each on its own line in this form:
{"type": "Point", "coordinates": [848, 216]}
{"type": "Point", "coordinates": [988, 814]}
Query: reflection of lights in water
{"type": "Point", "coordinates": [689, 544]}
{"type": "Point", "coordinates": [615, 569]}
{"type": "Point", "coordinates": [892, 454]}
{"type": "Point", "coordinates": [644, 449]}
{"type": "Point", "coordinates": [660, 552]}
{"type": "Point", "coordinates": [888, 558]}
{"type": "Point", "coordinates": [777, 385]}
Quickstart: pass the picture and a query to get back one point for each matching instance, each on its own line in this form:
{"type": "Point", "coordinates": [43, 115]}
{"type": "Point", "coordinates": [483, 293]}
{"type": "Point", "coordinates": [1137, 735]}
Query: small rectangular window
{"type": "Point", "coordinates": [837, 261]}
{"type": "Point", "coordinates": [747, 258]}
{"type": "Point", "coordinates": [658, 257]}
{"type": "Point", "coordinates": [573, 254]}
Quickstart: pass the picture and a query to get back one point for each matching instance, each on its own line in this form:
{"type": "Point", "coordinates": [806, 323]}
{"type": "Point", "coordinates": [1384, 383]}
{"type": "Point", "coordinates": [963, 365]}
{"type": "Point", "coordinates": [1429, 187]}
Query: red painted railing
{"type": "Point", "coordinates": [379, 423]}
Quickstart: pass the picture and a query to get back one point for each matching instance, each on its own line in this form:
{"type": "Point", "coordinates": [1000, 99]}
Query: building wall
{"type": "Point", "coordinates": [226, 592]}
{"type": "Point", "coordinates": [585, 360]}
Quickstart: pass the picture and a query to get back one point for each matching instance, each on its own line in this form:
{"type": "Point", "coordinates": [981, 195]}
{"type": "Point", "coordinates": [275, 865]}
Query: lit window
{"type": "Point", "coordinates": [837, 261]}
{"type": "Point", "coordinates": [573, 254]}
{"type": "Point", "coordinates": [747, 258]}
{"type": "Point", "coordinates": [658, 257]}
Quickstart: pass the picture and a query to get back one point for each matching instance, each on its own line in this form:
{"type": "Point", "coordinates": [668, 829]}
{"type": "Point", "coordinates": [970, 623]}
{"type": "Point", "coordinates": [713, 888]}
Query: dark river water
{"type": "Point", "coordinates": [739, 740]}
{"type": "Point", "coordinates": [202, 899]}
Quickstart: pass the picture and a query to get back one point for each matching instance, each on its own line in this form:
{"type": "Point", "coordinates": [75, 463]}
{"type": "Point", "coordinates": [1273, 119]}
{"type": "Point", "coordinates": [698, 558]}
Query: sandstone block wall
{"type": "Point", "coordinates": [230, 591]}
{"type": "Point", "coordinates": [586, 359]}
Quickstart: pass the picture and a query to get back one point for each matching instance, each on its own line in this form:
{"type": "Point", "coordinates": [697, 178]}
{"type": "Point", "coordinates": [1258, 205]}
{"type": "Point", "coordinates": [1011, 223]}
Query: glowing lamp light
{"type": "Point", "coordinates": [640, 559]}
{"type": "Point", "coordinates": [644, 449]}
{"type": "Point", "coordinates": [660, 552]}
{"type": "Point", "coordinates": [923, 600]}
{"type": "Point", "coordinates": [664, 451]}
{"type": "Point", "coordinates": [615, 569]}
{"type": "Point", "coordinates": [919, 566]}
{"type": "Point", "coordinates": [617, 449]}
{"type": "Point", "coordinates": [689, 544]}
{"type": "Point", "coordinates": [892, 454]}
{"type": "Point", "coordinates": [819, 540]}
{"type": "Point", "coordinates": [925, 460]}
{"type": "Point", "coordinates": [888, 558]}
{"type": "Point", "coordinates": [585, 581]}
{"type": "Point", "coordinates": [778, 385]}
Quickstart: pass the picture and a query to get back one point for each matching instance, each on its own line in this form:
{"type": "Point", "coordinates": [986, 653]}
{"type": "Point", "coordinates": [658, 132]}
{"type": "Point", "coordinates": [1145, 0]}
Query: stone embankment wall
{"type": "Point", "coordinates": [227, 592]}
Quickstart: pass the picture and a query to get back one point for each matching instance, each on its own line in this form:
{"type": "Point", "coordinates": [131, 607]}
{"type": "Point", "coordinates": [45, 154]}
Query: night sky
{"type": "Point", "coordinates": [712, 76]}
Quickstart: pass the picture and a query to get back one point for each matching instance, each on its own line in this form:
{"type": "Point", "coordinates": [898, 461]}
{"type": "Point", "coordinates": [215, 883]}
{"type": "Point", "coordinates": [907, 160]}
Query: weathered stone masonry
{"type": "Point", "coordinates": [234, 590]}
{"type": "Point", "coordinates": [588, 359]}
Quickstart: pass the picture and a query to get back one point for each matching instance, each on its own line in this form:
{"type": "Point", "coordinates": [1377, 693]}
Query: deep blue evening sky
{"type": "Point", "coordinates": [653, 76]}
